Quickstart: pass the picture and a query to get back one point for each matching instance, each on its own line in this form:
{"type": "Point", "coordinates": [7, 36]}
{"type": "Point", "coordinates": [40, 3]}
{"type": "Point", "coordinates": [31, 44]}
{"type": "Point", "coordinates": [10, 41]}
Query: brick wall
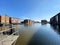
{"type": "Point", "coordinates": [4, 19]}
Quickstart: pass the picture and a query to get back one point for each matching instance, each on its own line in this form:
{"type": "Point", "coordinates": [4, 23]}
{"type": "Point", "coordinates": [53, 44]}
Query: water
{"type": "Point", "coordinates": [38, 34]}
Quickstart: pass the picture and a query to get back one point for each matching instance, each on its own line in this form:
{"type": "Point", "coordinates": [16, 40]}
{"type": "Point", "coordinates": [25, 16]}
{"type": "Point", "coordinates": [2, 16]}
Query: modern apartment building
{"type": "Point", "coordinates": [55, 19]}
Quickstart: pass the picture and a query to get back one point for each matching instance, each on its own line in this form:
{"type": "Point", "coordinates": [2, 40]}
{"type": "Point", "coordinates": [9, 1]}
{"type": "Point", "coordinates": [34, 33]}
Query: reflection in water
{"type": "Point", "coordinates": [38, 34]}
{"type": "Point", "coordinates": [56, 28]}
{"type": "Point", "coordinates": [43, 23]}
{"type": "Point", "coordinates": [27, 25]}
{"type": "Point", "coordinates": [45, 36]}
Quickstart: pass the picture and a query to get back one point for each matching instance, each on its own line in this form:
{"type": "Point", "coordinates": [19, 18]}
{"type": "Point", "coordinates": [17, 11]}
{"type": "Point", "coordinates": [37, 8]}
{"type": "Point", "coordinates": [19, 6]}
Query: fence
{"type": "Point", "coordinates": [6, 39]}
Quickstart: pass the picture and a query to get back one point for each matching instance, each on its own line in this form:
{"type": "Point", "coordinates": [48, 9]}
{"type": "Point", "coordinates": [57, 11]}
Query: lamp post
{"type": "Point", "coordinates": [4, 20]}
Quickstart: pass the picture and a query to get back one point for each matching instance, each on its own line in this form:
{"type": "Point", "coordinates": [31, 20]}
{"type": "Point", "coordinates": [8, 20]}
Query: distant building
{"type": "Point", "coordinates": [15, 20]}
{"type": "Point", "coordinates": [22, 22]}
{"type": "Point", "coordinates": [0, 19]}
{"type": "Point", "coordinates": [55, 19]}
{"type": "Point", "coordinates": [36, 21]}
{"type": "Point", "coordinates": [28, 21]}
{"type": "Point", "coordinates": [43, 21]}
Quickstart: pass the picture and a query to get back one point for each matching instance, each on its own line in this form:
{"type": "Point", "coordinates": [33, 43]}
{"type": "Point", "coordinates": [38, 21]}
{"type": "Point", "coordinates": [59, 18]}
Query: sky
{"type": "Point", "coordinates": [30, 9]}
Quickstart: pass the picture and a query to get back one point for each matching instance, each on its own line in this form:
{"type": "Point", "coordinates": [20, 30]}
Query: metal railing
{"type": "Point", "coordinates": [5, 39]}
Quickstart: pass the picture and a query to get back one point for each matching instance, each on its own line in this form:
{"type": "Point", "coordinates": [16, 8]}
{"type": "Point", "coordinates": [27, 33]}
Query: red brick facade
{"type": "Point", "coordinates": [4, 19]}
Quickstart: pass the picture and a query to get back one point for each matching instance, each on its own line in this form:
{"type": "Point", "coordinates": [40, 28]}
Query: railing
{"type": "Point", "coordinates": [6, 39]}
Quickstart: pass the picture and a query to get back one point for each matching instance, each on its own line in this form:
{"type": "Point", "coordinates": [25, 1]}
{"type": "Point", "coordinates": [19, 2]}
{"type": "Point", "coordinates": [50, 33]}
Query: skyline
{"type": "Point", "coordinates": [30, 9]}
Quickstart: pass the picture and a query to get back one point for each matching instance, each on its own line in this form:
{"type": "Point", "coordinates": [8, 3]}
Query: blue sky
{"type": "Point", "coordinates": [30, 9]}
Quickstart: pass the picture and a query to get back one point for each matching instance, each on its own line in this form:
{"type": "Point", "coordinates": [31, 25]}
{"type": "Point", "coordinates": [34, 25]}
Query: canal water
{"type": "Point", "coordinates": [39, 34]}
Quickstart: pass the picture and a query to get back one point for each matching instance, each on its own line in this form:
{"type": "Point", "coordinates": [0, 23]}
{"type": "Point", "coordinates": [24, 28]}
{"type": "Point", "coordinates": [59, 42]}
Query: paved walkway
{"type": "Point", "coordinates": [9, 40]}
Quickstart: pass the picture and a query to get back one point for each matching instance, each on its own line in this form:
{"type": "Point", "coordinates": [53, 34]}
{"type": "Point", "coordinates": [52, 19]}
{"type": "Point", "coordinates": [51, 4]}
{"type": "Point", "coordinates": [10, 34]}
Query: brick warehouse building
{"type": "Point", "coordinates": [15, 20]}
{"type": "Point", "coordinates": [28, 21]}
{"type": "Point", "coordinates": [4, 19]}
